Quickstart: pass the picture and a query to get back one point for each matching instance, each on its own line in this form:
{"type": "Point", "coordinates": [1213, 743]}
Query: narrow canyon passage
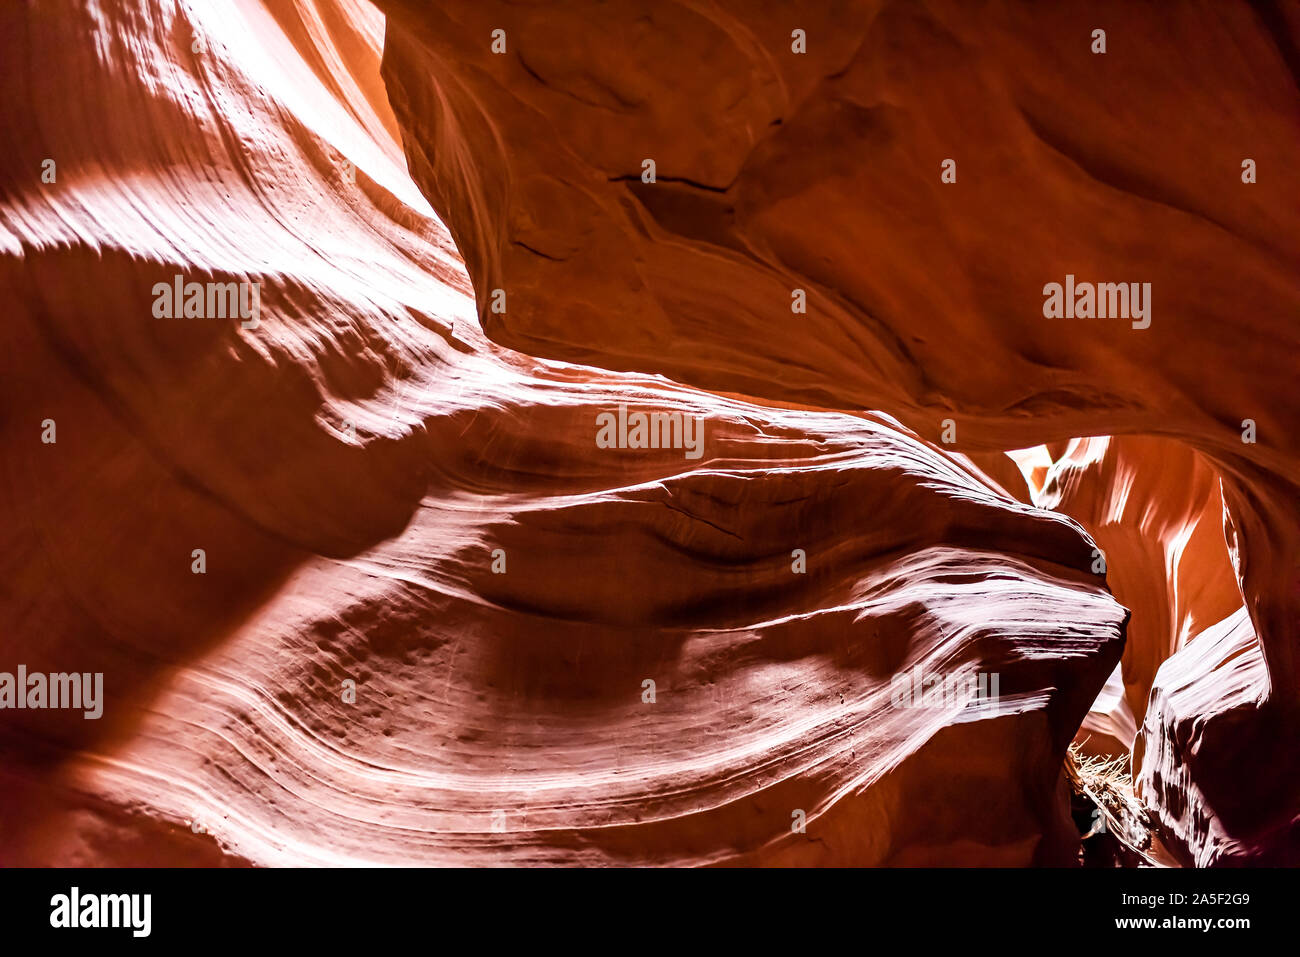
{"type": "Point", "coordinates": [540, 506]}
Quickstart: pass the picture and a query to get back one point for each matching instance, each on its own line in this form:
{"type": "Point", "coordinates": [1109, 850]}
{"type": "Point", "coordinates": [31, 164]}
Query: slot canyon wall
{"type": "Point", "coordinates": [366, 583]}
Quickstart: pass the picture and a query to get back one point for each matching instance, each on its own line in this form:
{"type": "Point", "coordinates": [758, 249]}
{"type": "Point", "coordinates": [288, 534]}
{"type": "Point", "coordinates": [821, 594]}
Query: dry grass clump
{"type": "Point", "coordinates": [1108, 784]}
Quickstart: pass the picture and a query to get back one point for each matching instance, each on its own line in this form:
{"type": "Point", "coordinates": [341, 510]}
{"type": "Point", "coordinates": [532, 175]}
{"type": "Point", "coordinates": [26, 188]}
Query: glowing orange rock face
{"type": "Point", "coordinates": [954, 196]}
{"type": "Point", "coordinates": [1153, 507]}
{"type": "Point", "coordinates": [364, 587]}
{"type": "Point", "coordinates": [375, 579]}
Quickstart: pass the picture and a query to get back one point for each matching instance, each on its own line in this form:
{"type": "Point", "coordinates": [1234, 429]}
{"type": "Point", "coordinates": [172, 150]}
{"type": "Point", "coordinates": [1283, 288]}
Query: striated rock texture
{"type": "Point", "coordinates": [1167, 159]}
{"type": "Point", "coordinates": [1192, 665]}
{"type": "Point", "coordinates": [364, 586]}
{"type": "Point", "coordinates": [1206, 700]}
{"type": "Point", "coordinates": [1154, 509]}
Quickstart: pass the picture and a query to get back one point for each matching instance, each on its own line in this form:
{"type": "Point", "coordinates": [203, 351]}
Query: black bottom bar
{"type": "Point", "coordinates": [635, 908]}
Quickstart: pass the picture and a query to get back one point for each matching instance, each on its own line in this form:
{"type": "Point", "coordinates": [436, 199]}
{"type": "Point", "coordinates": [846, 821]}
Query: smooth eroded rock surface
{"type": "Point", "coordinates": [436, 621]}
{"type": "Point", "coordinates": [779, 173]}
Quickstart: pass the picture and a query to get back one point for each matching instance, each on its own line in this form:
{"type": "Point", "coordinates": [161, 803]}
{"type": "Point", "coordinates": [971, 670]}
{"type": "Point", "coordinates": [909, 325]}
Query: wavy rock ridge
{"type": "Point", "coordinates": [778, 171]}
{"type": "Point", "coordinates": [430, 601]}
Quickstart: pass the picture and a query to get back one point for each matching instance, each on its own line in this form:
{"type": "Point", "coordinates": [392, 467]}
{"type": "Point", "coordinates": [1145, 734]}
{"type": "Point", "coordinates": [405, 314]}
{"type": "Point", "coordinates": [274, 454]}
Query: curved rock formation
{"type": "Point", "coordinates": [582, 550]}
{"type": "Point", "coordinates": [1208, 700]}
{"type": "Point", "coordinates": [365, 587]}
{"type": "Point", "coordinates": [691, 164]}
{"type": "Point", "coordinates": [1154, 508]}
